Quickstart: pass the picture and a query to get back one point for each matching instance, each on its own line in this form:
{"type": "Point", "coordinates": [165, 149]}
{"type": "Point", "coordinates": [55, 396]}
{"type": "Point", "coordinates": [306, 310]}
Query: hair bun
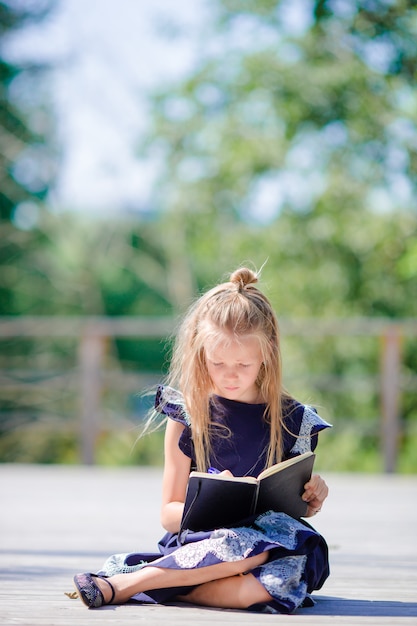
{"type": "Point", "coordinates": [243, 277]}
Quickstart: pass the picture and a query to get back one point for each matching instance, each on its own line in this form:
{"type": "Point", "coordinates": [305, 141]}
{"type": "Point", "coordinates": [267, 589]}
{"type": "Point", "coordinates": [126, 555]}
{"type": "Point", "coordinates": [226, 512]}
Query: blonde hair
{"type": "Point", "coordinates": [236, 308]}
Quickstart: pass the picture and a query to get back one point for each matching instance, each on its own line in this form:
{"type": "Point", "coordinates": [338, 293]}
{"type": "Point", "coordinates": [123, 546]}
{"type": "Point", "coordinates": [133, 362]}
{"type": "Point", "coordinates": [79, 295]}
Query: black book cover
{"type": "Point", "coordinates": [216, 501]}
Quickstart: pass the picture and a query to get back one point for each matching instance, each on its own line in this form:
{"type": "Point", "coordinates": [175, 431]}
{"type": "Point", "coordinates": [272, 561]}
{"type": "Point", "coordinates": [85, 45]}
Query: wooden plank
{"type": "Point", "coordinates": [91, 355]}
{"type": "Point", "coordinates": [390, 397]}
{"type": "Point", "coordinates": [61, 326]}
{"type": "Point", "coordinates": [57, 520]}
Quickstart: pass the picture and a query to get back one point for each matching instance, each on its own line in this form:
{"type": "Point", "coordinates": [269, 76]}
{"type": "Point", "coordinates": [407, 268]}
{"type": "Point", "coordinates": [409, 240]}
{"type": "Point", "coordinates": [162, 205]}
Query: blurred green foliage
{"type": "Point", "coordinates": [292, 142]}
{"type": "Point", "coordinates": [26, 144]}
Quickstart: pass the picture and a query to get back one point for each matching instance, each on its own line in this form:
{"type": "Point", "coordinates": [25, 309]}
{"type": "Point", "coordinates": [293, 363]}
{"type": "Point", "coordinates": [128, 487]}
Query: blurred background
{"type": "Point", "coordinates": [147, 149]}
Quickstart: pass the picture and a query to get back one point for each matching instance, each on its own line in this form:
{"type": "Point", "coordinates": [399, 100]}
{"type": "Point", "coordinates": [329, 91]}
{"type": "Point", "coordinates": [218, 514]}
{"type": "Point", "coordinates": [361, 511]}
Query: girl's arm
{"type": "Point", "coordinates": [176, 472]}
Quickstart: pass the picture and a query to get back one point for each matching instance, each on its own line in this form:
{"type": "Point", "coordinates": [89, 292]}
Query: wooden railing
{"type": "Point", "coordinates": [92, 334]}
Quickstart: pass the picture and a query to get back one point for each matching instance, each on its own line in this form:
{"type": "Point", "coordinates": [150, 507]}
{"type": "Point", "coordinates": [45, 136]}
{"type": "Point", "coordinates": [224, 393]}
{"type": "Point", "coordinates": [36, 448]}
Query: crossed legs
{"type": "Point", "coordinates": [220, 585]}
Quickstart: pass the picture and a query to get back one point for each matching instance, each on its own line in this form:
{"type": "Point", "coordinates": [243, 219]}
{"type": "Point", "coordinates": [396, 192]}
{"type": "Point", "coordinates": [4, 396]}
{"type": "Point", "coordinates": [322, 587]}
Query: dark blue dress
{"type": "Point", "coordinates": [298, 555]}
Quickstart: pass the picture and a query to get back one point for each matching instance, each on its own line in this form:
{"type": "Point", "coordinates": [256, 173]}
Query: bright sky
{"type": "Point", "coordinates": [109, 54]}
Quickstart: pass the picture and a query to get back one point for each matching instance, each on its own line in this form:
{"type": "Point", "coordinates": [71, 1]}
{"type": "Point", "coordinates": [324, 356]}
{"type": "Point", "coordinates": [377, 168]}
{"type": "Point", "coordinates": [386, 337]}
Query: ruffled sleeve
{"type": "Point", "coordinates": [170, 402]}
{"type": "Point", "coordinates": [302, 425]}
{"type": "Point", "coordinates": [311, 425]}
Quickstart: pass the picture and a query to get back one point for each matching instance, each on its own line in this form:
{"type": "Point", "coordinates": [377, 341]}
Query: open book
{"type": "Point", "coordinates": [216, 501]}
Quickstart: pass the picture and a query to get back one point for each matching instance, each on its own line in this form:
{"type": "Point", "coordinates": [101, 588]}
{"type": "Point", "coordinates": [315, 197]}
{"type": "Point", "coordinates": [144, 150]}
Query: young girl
{"type": "Point", "coordinates": [226, 408]}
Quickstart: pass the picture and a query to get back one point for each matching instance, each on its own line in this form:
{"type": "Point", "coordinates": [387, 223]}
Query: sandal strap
{"type": "Point", "coordinates": [113, 591]}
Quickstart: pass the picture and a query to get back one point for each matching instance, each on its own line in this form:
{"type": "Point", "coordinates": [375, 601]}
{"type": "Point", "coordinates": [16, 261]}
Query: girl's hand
{"type": "Point", "coordinates": [226, 473]}
{"type": "Point", "coordinates": [316, 491]}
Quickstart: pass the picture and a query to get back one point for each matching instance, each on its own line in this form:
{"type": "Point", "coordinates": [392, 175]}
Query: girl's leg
{"type": "Point", "coordinates": [235, 592]}
{"type": "Point", "coordinates": [150, 577]}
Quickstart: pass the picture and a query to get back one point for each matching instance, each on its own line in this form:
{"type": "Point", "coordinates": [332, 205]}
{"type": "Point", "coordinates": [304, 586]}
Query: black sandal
{"type": "Point", "coordinates": [89, 592]}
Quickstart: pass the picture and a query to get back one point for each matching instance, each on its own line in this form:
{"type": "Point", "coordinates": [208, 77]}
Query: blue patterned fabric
{"type": "Point", "coordinates": [298, 555]}
{"type": "Point", "coordinates": [289, 542]}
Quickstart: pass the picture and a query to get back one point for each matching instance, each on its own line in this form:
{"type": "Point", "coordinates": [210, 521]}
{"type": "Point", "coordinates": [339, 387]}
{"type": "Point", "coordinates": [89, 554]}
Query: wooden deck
{"type": "Point", "coordinates": [56, 521]}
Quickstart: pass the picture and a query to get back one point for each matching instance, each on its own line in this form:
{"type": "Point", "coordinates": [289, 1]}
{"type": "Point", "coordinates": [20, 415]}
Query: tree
{"type": "Point", "coordinates": [27, 159]}
{"type": "Point", "coordinates": [24, 163]}
{"type": "Point", "coordinates": [293, 140]}
{"type": "Point", "coordinates": [305, 125]}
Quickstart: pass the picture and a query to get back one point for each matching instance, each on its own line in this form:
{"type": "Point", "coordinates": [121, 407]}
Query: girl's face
{"type": "Point", "coordinates": [233, 366]}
